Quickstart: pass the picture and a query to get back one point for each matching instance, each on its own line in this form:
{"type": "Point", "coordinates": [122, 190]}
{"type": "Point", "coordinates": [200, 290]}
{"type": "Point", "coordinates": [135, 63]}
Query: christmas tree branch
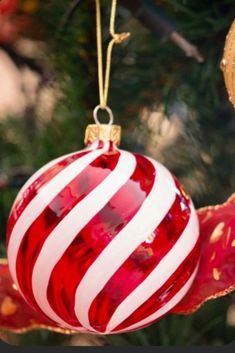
{"type": "Point", "coordinates": [68, 14]}
{"type": "Point", "coordinates": [152, 17]}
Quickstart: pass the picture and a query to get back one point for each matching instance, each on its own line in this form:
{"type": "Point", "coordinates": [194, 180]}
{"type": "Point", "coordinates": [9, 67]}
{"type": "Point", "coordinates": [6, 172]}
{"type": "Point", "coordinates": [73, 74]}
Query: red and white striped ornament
{"type": "Point", "coordinates": [103, 240]}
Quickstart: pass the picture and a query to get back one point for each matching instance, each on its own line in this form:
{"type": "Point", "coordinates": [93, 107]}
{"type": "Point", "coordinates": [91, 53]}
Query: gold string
{"type": "Point", "coordinates": [117, 38]}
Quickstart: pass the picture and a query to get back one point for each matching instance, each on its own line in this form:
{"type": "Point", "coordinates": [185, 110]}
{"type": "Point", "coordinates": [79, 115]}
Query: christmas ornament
{"type": "Point", "coordinates": [215, 277]}
{"type": "Point", "coordinates": [16, 20]}
{"type": "Point", "coordinates": [103, 240]}
{"type": "Point", "coordinates": [227, 63]}
{"type": "Point", "coordinates": [9, 25]}
{"type": "Point", "coordinates": [8, 6]}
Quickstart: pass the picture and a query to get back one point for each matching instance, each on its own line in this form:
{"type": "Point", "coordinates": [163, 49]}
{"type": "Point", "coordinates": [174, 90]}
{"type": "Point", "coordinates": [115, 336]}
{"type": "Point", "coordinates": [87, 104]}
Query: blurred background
{"type": "Point", "coordinates": [167, 92]}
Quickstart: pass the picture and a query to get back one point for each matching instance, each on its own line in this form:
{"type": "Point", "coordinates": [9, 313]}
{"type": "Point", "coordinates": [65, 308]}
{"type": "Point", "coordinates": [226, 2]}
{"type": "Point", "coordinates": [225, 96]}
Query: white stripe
{"type": "Point", "coordinates": [161, 273]}
{"type": "Point", "coordinates": [40, 201]}
{"type": "Point", "coordinates": [149, 216]}
{"type": "Point", "coordinates": [34, 177]}
{"type": "Point", "coordinates": [68, 229]}
{"type": "Point", "coordinates": [43, 169]}
{"type": "Point", "coordinates": [166, 308]}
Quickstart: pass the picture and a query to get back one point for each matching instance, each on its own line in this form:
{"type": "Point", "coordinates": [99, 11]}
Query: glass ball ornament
{"type": "Point", "coordinates": [103, 240]}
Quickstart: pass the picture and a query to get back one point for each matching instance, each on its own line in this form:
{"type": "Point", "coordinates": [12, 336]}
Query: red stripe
{"type": "Point", "coordinates": [140, 263]}
{"type": "Point", "coordinates": [95, 236]}
{"type": "Point", "coordinates": [33, 189]}
{"type": "Point", "coordinates": [166, 292]}
{"type": "Point", "coordinates": [54, 213]}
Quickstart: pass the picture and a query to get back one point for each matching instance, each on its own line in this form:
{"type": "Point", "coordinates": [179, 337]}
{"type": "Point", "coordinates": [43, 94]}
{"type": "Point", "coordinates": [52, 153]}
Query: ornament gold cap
{"type": "Point", "coordinates": [103, 132]}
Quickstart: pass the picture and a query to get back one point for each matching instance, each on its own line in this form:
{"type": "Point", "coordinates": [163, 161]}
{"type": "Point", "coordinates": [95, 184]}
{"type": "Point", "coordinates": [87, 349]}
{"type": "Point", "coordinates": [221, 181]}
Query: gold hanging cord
{"type": "Point", "coordinates": [117, 38]}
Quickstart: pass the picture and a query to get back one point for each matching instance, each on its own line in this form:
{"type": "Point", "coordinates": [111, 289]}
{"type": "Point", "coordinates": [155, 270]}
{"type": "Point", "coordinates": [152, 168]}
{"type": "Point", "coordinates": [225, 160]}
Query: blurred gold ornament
{"type": "Point", "coordinates": [29, 6]}
{"type": "Point", "coordinates": [227, 64]}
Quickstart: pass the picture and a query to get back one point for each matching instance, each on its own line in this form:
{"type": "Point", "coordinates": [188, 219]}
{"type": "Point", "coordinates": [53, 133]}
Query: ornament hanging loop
{"type": "Point", "coordinates": [116, 38]}
{"type": "Point", "coordinates": [108, 110]}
